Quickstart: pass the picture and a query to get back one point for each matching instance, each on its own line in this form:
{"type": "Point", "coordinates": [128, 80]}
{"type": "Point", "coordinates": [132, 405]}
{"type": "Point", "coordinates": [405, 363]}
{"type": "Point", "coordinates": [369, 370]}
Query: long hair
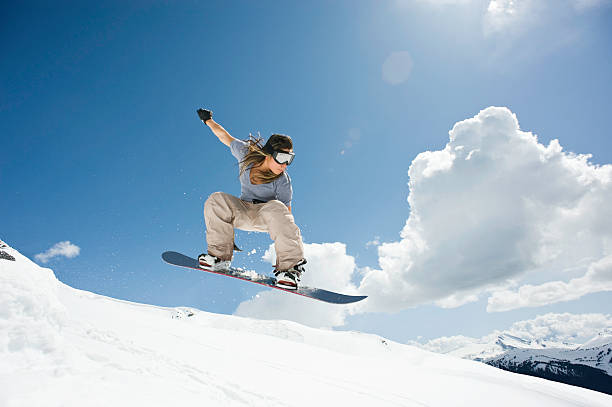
{"type": "Point", "coordinates": [258, 152]}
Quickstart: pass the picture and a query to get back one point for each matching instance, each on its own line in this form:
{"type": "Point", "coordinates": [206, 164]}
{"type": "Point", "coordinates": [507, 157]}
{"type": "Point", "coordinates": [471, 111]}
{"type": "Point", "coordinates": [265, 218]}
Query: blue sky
{"type": "Point", "coordinates": [101, 145]}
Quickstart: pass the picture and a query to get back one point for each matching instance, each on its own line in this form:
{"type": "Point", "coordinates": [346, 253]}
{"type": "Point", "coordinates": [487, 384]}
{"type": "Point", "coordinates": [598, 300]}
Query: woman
{"type": "Point", "coordinates": [264, 205]}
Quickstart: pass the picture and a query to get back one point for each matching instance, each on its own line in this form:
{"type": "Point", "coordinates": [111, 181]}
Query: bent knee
{"type": "Point", "coordinates": [214, 199]}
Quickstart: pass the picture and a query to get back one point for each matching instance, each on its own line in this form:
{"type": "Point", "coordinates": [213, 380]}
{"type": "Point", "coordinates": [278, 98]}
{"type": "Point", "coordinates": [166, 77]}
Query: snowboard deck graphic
{"type": "Point", "coordinates": [178, 259]}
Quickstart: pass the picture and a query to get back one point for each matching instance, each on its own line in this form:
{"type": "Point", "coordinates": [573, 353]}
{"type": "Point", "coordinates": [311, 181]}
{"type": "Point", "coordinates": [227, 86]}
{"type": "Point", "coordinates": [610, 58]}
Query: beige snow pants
{"type": "Point", "coordinates": [224, 212]}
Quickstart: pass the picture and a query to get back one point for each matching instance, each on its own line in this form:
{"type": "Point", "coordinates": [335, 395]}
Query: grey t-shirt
{"type": "Point", "coordinates": [279, 189]}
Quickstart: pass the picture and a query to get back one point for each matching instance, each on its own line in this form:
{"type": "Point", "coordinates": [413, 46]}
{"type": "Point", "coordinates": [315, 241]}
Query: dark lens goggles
{"type": "Point", "coordinates": [283, 157]}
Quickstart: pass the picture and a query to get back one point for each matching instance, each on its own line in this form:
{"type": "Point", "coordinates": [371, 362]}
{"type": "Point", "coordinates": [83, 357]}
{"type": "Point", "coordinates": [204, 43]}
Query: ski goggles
{"type": "Point", "coordinates": [282, 157]}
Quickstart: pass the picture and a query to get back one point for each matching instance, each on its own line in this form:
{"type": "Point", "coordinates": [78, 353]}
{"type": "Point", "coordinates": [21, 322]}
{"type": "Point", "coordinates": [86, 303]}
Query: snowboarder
{"type": "Point", "coordinates": [264, 204]}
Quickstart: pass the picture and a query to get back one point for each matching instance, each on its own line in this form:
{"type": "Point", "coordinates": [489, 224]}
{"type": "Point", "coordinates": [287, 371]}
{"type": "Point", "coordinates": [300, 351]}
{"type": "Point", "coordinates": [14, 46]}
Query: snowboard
{"type": "Point", "coordinates": [178, 259]}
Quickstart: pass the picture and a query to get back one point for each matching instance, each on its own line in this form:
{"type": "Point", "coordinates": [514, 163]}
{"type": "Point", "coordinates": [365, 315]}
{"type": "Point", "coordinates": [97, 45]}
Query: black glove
{"type": "Point", "coordinates": [204, 114]}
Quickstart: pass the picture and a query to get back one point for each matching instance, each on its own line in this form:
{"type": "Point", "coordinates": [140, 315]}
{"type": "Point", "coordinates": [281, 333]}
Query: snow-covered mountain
{"type": "Point", "coordinates": [589, 365]}
{"type": "Point", "coordinates": [492, 346]}
{"type": "Point", "coordinates": [603, 338]}
{"type": "Point", "coordinates": [65, 347]}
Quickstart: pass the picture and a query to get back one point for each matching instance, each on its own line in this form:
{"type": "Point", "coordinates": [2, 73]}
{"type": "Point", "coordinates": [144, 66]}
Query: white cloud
{"type": "Point", "coordinates": [598, 278]}
{"type": "Point", "coordinates": [375, 242]}
{"type": "Point", "coordinates": [456, 300]}
{"type": "Point", "coordinates": [397, 68]}
{"type": "Point", "coordinates": [551, 328]}
{"type": "Point", "coordinates": [495, 209]}
{"type": "Point", "coordinates": [555, 328]}
{"type": "Point", "coordinates": [514, 17]}
{"type": "Point", "coordinates": [509, 15]}
{"type": "Point", "coordinates": [65, 249]}
{"type": "Point", "coordinates": [564, 327]}
{"type": "Point", "coordinates": [329, 267]}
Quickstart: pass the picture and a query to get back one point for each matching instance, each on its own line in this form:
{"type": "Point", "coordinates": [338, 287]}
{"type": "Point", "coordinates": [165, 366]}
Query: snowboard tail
{"type": "Point", "coordinates": [181, 260]}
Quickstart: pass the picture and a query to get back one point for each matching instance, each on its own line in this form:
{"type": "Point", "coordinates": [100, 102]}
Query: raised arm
{"type": "Point", "coordinates": [220, 132]}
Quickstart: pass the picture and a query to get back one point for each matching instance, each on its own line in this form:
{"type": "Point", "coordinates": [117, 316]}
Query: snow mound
{"type": "Point", "coordinates": [65, 347]}
{"type": "Point", "coordinates": [31, 314]}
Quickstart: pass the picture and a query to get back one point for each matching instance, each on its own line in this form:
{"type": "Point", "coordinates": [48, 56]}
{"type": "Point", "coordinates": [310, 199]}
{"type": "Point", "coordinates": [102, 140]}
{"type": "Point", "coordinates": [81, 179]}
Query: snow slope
{"type": "Point", "coordinates": [64, 347]}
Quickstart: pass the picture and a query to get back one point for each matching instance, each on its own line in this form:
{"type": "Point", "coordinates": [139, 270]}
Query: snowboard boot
{"type": "Point", "coordinates": [289, 279]}
{"type": "Point", "coordinates": [213, 263]}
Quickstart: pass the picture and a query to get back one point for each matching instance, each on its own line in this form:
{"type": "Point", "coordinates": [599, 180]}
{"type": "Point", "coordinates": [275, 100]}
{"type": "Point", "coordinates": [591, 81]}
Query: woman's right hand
{"type": "Point", "coordinates": [204, 114]}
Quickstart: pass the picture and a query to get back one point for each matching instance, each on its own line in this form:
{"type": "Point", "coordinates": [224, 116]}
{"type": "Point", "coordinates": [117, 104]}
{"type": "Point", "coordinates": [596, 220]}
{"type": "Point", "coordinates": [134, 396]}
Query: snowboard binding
{"type": "Point", "coordinates": [289, 279]}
